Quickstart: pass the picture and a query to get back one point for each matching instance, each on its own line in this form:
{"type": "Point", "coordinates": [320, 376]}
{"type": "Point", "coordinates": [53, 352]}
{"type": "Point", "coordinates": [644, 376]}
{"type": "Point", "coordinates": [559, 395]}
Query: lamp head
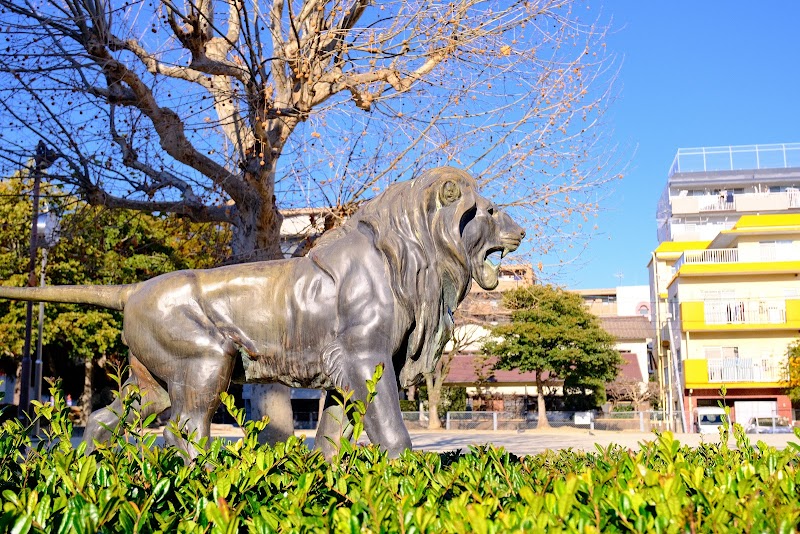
{"type": "Point", "coordinates": [48, 228]}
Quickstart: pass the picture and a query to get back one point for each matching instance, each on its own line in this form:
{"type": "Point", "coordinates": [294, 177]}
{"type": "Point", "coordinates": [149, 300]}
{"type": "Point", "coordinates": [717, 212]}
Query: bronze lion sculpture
{"type": "Point", "coordinates": [381, 289]}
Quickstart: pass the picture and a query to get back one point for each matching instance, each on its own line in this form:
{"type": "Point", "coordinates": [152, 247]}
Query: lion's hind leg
{"type": "Point", "coordinates": [153, 400]}
{"type": "Point", "coordinates": [195, 397]}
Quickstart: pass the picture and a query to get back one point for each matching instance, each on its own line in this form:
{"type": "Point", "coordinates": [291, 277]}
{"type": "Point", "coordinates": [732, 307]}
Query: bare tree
{"type": "Point", "coordinates": [464, 337]}
{"type": "Point", "coordinates": [227, 111]}
{"type": "Point", "coordinates": [473, 319]}
{"type": "Point", "coordinates": [637, 393]}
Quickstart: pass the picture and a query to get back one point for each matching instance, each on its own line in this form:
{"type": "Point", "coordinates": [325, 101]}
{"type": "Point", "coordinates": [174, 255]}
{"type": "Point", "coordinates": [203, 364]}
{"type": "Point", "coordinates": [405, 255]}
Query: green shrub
{"type": "Point", "coordinates": [133, 486]}
{"type": "Point", "coordinates": [622, 408]}
{"type": "Point", "coordinates": [409, 405]}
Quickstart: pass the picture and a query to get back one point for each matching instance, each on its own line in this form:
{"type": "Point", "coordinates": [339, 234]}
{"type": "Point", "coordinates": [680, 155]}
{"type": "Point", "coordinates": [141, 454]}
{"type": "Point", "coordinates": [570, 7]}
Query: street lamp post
{"type": "Point", "coordinates": [47, 228]}
{"type": "Point", "coordinates": [43, 159]}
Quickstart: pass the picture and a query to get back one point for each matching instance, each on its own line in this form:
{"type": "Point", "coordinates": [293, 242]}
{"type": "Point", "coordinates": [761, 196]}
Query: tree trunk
{"type": "Point", "coordinates": [17, 385]}
{"type": "Point", "coordinates": [86, 396]}
{"type": "Point", "coordinates": [434, 397]}
{"type": "Point", "coordinates": [273, 400]}
{"type": "Point", "coordinates": [543, 422]}
{"type": "Point", "coordinates": [256, 236]}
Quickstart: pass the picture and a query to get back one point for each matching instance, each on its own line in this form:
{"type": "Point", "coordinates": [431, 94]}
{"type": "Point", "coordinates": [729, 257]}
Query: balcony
{"type": "Point", "coordinates": [736, 372]}
{"type": "Point", "coordinates": [740, 314]}
{"type": "Point", "coordinates": [745, 311]}
{"type": "Point", "coordinates": [744, 370]}
{"type": "Point", "coordinates": [721, 256]}
{"type": "Point", "coordinates": [741, 203]}
{"type": "Point", "coordinates": [711, 255]}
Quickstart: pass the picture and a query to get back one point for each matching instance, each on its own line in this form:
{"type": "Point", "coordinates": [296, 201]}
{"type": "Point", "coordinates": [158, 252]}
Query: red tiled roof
{"type": "Point", "coordinates": [630, 328]}
{"type": "Point", "coordinates": [462, 372]}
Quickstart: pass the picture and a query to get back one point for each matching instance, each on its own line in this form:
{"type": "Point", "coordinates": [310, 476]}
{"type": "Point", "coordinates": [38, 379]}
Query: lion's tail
{"type": "Point", "coordinates": [112, 297]}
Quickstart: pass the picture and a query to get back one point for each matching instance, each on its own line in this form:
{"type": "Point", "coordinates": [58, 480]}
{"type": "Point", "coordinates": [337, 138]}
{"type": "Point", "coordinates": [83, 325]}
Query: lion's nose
{"type": "Point", "coordinates": [522, 234]}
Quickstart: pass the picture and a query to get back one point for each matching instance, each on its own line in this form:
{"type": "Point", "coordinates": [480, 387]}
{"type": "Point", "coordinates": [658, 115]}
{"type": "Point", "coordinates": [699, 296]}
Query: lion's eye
{"type": "Point", "coordinates": [490, 209]}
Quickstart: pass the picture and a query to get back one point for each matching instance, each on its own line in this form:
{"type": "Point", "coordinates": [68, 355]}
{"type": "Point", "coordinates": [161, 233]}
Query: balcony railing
{"type": "Point", "coordinates": [744, 370]}
{"type": "Point", "coordinates": [740, 203]}
{"type": "Point", "coordinates": [730, 158]}
{"type": "Point", "coordinates": [711, 203]}
{"type": "Point", "coordinates": [712, 255]}
{"type": "Point", "coordinates": [745, 311]}
{"type": "Point", "coordinates": [731, 255]}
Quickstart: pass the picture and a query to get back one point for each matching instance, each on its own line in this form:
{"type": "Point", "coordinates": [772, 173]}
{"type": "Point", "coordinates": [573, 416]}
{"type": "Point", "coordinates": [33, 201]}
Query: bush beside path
{"type": "Point", "coordinates": [660, 484]}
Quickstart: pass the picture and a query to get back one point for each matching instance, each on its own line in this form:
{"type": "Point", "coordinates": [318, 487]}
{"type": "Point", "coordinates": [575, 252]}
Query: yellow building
{"type": "Point", "coordinates": [727, 285]}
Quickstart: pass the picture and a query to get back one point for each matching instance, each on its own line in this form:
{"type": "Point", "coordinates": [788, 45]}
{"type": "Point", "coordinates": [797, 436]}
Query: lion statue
{"type": "Point", "coordinates": [379, 290]}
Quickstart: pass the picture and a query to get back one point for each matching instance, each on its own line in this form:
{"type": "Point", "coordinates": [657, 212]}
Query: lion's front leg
{"type": "Point", "coordinates": [383, 420]}
{"type": "Point", "coordinates": [334, 425]}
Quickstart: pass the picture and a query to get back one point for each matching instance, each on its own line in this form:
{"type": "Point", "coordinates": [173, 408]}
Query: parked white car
{"type": "Point", "coordinates": [708, 419]}
{"type": "Point", "coordinates": [768, 425]}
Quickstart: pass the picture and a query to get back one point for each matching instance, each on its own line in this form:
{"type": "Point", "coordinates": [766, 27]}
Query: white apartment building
{"type": "Point", "coordinates": [708, 189]}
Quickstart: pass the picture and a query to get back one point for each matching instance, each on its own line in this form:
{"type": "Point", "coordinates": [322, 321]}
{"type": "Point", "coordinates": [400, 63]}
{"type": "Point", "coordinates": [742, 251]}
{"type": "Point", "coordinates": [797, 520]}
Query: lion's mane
{"type": "Point", "coordinates": [418, 232]}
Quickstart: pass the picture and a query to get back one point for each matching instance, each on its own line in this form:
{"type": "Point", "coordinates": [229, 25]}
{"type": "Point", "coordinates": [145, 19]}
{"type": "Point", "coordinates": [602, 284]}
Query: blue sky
{"type": "Point", "coordinates": [692, 74]}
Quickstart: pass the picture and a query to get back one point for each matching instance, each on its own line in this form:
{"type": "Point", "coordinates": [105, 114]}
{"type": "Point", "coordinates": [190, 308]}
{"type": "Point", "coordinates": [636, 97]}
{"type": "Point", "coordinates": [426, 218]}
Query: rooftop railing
{"type": "Point", "coordinates": [732, 158]}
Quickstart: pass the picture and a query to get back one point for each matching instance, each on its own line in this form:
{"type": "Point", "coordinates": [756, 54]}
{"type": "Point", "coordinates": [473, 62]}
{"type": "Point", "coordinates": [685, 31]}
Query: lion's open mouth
{"type": "Point", "coordinates": [492, 258]}
{"type": "Point", "coordinates": [507, 246]}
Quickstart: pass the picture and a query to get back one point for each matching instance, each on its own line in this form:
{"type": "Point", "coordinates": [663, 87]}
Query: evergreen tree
{"type": "Point", "coordinates": [97, 246]}
{"type": "Point", "coordinates": [552, 335]}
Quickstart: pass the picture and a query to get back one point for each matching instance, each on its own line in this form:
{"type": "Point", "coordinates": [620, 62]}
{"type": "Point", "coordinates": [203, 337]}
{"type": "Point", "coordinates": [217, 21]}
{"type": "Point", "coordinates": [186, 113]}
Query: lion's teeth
{"type": "Point", "coordinates": [503, 254]}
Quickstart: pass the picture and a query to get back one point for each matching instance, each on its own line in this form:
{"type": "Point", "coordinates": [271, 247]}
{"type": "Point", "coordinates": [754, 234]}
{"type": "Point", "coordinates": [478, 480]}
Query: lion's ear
{"type": "Point", "coordinates": [449, 193]}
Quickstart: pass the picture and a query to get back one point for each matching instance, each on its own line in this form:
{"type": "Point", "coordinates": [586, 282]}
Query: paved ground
{"type": "Point", "coordinates": [535, 441]}
{"type": "Point", "coordinates": [526, 442]}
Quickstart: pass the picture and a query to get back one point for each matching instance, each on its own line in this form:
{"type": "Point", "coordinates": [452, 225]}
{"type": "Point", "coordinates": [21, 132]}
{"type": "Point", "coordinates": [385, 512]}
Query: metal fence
{"type": "Point", "coordinates": [416, 420]}
{"type": "Point", "coordinates": [619, 421]}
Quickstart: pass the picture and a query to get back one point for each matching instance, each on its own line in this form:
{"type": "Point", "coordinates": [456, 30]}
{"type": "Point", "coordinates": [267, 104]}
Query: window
{"type": "Point", "coordinates": [776, 250]}
{"type": "Point", "coordinates": [781, 188]}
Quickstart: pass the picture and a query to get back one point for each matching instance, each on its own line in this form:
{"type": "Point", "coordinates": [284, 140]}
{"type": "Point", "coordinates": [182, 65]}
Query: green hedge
{"type": "Point", "coordinates": [133, 486]}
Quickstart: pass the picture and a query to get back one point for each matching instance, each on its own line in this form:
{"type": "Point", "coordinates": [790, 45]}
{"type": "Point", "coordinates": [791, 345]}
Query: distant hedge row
{"type": "Point", "coordinates": [134, 486]}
